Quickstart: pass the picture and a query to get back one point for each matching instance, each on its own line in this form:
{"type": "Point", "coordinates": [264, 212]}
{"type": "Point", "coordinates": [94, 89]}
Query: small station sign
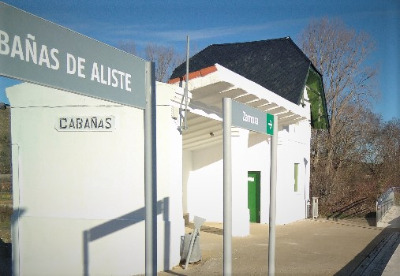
{"type": "Point", "coordinates": [250, 118]}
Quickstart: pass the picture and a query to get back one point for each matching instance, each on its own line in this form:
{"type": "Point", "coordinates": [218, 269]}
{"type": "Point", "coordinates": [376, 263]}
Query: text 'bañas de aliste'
{"type": "Point", "coordinates": [29, 50]}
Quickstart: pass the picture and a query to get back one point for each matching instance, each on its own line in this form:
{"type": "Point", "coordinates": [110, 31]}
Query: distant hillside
{"type": "Point", "coordinates": [5, 142]}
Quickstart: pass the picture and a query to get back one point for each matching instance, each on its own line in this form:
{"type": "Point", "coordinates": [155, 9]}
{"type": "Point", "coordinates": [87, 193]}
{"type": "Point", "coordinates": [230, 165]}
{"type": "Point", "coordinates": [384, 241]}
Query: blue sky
{"type": "Point", "coordinates": [207, 22]}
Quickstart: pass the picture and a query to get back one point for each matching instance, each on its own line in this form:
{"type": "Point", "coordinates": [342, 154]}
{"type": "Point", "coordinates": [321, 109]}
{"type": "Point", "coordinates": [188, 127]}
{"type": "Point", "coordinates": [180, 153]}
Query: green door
{"type": "Point", "coordinates": [253, 182]}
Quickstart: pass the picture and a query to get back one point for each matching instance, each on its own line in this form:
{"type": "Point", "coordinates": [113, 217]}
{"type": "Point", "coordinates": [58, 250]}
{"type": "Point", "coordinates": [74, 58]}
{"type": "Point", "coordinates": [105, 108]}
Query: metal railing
{"type": "Point", "coordinates": [385, 202]}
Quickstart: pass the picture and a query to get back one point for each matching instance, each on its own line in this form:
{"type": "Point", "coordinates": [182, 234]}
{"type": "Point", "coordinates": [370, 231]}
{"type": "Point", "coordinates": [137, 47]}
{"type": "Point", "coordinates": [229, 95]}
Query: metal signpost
{"type": "Point", "coordinates": [36, 50]}
{"type": "Point", "coordinates": [243, 116]}
{"type": "Point", "coordinates": [227, 182]}
{"type": "Point", "coordinates": [150, 179]}
{"type": "Point", "coordinates": [272, 196]}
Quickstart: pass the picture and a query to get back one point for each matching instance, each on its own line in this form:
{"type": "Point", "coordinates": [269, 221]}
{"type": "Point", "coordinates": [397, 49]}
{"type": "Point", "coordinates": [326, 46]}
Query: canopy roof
{"type": "Point", "coordinates": [276, 64]}
{"type": "Point", "coordinates": [210, 85]}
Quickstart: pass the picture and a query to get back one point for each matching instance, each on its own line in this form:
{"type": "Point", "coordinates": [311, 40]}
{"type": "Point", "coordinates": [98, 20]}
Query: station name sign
{"type": "Point", "coordinates": [35, 50]}
{"type": "Point", "coordinates": [252, 119]}
{"type": "Point", "coordinates": [86, 123]}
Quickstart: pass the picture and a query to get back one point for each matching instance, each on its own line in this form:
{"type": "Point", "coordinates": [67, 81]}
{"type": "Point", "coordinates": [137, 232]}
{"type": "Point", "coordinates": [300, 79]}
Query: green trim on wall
{"type": "Point", "coordinates": [315, 92]}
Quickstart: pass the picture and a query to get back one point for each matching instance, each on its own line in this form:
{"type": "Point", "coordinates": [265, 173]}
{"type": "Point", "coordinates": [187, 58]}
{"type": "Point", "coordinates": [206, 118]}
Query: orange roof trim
{"type": "Point", "coordinates": [196, 74]}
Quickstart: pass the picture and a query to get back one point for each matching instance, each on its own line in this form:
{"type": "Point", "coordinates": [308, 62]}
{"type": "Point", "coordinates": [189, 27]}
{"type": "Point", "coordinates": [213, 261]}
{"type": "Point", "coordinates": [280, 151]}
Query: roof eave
{"type": "Point", "coordinates": [210, 85]}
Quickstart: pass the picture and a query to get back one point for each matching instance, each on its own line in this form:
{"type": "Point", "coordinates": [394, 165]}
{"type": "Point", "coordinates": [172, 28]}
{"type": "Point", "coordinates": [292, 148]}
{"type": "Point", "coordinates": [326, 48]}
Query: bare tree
{"type": "Point", "coordinates": [5, 141]}
{"type": "Point", "coordinates": [387, 149]}
{"type": "Point", "coordinates": [340, 54]}
{"type": "Point", "coordinates": [127, 46]}
{"type": "Point", "coordinates": [165, 58]}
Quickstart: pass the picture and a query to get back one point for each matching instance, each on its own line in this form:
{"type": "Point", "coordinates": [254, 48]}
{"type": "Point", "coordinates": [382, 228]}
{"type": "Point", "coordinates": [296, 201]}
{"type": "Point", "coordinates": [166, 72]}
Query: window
{"type": "Point", "coordinates": [296, 177]}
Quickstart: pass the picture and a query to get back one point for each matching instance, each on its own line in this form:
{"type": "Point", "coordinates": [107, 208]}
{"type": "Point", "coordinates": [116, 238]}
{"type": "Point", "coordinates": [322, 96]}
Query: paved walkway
{"type": "Point", "coordinates": [306, 247]}
{"type": "Point", "coordinates": [391, 219]}
{"type": "Point", "coordinates": [393, 266]}
{"type": "Point", "coordinates": [381, 260]}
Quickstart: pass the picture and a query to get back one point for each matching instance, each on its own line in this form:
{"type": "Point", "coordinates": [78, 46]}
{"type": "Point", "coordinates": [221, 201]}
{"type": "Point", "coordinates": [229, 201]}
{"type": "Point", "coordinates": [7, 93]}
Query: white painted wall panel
{"type": "Point", "coordinates": [259, 159]}
{"type": "Point", "coordinates": [203, 171]}
{"type": "Point", "coordinates": [81, 194]}
{"type": "Point", "coordinates": [205, 184]}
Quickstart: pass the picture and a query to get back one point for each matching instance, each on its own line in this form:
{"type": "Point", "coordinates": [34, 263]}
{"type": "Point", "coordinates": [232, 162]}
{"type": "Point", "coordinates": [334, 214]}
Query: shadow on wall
{"type": "Point", "coordinates": [207, 156]}
{"type": "Point", "coordinates": [17, 213]}
{"type": "Point", "coordinates": [124, 221]}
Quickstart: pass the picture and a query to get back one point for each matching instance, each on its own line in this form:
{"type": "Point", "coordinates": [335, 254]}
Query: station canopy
{"type": "Point", "coordinates": [210, 85]}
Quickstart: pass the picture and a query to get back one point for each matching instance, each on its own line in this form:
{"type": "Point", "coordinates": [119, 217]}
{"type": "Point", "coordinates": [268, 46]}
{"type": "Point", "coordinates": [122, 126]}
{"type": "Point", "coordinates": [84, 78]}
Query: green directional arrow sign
{"type": "Point", "coordinates": [250, 118]}
{"type": "Point", "coordinates": [270, 124]}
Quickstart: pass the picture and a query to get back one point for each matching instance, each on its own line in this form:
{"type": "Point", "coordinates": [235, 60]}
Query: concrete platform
{"type": "Point", "coordinates": [393, 266]}
{"type": "Point", "coordinates": [382, 258]}
{"type": "Point", "coordinates": [309, 247]}
{"type": "Point", "coordinates": [391, 219]}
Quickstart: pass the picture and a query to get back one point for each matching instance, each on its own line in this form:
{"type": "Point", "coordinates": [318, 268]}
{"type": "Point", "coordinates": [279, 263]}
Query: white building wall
{"type": "Point", "coordinates": [203, 170]}
{"type": "Point", "coordinates": [169, 178]}
{"type": "Point", "coordinates": [240, 210]}
{"type": "Point", "coordinates": [187, 168]}
{"type": "Point", "coordinates": [293, 147]}
{"type": "Point", "coordinates": [259, 159]}
{"type": "Point", "coordinates": [79, 196]}
{"type": "Point", "coordinates": [205, 184]}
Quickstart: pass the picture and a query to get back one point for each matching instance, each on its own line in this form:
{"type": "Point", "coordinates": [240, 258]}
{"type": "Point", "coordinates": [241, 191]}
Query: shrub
{"type": "Point", "coordinates": [5, 213]}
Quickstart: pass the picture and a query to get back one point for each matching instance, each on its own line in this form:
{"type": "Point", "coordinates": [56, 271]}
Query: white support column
{"type": "Point", "coordinates": [272, 208]}
{"type": "Point", "coordinates": [150, 174]}
{"type": "Point", "coordinates": [227, 157]}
